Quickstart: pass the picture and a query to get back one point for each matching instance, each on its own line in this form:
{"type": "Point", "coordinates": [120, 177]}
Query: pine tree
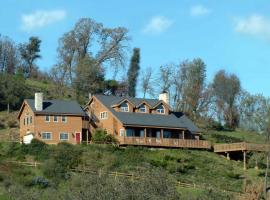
{"type": "Point", "coordinates": [133, 72]}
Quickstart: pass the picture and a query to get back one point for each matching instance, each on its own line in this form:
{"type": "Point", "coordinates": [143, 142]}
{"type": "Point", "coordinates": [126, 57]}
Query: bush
{"type": "Point", "coordinates": [225, 138]}
{"type": "Point", "coordinates": [102, 137]}
{"type": "Point", "coordinates": [66, 156]}
{"type": "Point", "coordinates": [12, 123]}
{"type": "Point", "coordinates": [36, 148]}
{"type": "Point", "coordinates": [2, 123]}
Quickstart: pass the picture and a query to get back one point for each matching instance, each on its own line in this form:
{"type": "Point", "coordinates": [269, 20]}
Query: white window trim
{"type": "Point", "coordinates": [101, 116]}
{"type": "Point", "coordinates": [64, 139]}
{"type": "Point", "coordinates": [144, 108]}
{"type": "Point", "coordinates": [126, 109]}
{"type": "Point", "coordinates": [46, 138]}
{"type": "Point", "coordinates": [49, 118]}
{"type": "Point", "coordinates": [64, 117]}
{"type": "Point", "coordinates": [56, 118]}
{"type": "Point", "coordinates": [122, 132]}
{"type": "Point", "coordinates": [160, 110]}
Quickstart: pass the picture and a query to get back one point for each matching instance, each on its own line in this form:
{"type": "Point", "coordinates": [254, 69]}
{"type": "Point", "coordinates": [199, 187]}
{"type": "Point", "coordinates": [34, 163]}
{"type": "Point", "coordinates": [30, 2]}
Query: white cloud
{"type": "Point", "coordinates": [199, 10]}
{"type": "Point", "coordinates": [254, 25]}
{"type": "Point", "coordinates": [41, 18]}
{"type": "Point", "coordinates": [158, 24]}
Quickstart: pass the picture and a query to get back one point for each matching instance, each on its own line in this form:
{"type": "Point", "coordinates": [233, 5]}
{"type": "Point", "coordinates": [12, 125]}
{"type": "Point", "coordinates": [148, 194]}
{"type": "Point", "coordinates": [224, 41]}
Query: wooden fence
{"type": "Point", "coordinates": [132, 176]}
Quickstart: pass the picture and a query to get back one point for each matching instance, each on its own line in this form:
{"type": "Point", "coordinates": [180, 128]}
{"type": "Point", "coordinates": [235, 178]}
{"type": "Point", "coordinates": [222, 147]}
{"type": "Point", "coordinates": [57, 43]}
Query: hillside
{"type": "Point", "coordinates": [212, 174]}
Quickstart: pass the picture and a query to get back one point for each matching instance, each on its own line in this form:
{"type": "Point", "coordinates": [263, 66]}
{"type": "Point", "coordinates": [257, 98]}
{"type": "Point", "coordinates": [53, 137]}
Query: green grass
{"type": "Point", "coordinates": [233, 136]}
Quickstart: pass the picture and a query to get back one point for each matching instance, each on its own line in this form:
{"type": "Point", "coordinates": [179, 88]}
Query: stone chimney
{"type": "Point", "coordinates": [39, 101]}
{"type": "Point", "coordinates": [164, 96]}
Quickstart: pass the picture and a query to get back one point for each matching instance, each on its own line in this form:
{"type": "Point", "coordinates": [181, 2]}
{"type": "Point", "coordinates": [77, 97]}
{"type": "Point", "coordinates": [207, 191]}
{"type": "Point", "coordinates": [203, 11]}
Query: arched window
{"type": "Point", "coordinates": [142, 108]}
{"type": "Point", "coordinates": [124, 107]}
{"type": "Point", "coordinates": [160, 109]}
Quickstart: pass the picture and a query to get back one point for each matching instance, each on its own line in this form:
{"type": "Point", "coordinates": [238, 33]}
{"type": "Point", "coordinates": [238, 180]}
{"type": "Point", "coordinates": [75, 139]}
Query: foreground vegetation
{"type": "Point", "coordinates": [158, 171]}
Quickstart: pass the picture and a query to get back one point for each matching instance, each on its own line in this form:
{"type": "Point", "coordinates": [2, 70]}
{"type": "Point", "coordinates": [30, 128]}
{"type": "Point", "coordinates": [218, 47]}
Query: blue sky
{"type": "Point", "coordinates": [228, 34]}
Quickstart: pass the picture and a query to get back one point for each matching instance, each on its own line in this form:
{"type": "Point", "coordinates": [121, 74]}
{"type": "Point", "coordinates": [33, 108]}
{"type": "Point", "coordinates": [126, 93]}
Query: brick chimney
{"type": "Point", "coordinates": [164, 96]}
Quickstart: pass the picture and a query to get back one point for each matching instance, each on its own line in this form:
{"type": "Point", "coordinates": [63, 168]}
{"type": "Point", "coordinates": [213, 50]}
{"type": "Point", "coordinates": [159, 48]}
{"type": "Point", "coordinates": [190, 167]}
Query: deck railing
{"type": "Point", "coordinates": [165, 142]}
{"type": "Point", "coordinates": [241, 146]}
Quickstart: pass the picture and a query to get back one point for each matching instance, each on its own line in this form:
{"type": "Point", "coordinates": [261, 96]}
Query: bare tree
{"type": "Point", "coordinates": [147, 82]}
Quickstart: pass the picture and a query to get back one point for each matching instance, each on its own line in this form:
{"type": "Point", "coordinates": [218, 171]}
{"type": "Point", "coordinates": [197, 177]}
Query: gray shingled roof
{"type": "Point", "coordinates": [58, 107]}
{"type": "Point", "coordinates": [173, 120]}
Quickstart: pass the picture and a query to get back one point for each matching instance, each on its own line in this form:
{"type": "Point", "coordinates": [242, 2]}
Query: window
{"type": "Point", "coordinates": [55, 118]}
{"type": "Point", "coordinates": [46, 136]}
{"type": "Point", "coordinates": [63, 136]}
{"type": "Point", "coordinates": [64, 119]}
{"type": "Point", "coordinates": [30, 119]}
{"type": "Point", "coordinates": [104, 115]}
{"type": "Point", "coordinates": [122, 132]}
{"type": "Point", "coordinates": [160, 109]}
{"type": "Point", "coordinates": [47, 118]}
{"type": "Point", "coordinates": [124, 107]}
{"type": "Point", "coordinates": [142, 108]}
{"type": "Point", "coordinates": [27, 120]}
{"type": "Point", "coordinates": [23, 121]}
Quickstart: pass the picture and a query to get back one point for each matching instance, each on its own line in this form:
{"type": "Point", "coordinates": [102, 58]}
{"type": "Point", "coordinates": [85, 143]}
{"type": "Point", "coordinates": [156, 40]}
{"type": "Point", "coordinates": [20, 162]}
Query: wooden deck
{"type": "Point", "coordinates": [242, 146]}
{"type": "Point", "coordinates": [166, 142]}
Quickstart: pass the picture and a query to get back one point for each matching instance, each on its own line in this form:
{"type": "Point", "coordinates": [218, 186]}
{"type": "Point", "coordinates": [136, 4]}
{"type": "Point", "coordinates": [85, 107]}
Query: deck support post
{"type": "Point", "coordinates": [228, 156]}
{"type": "Point", "coordinates": [161, 134]}
{"type": "Point", "coordinates": [244, 159]}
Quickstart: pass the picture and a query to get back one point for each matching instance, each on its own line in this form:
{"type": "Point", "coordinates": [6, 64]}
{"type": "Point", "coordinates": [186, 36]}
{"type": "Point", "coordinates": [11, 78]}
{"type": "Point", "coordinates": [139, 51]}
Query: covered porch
{"type": "Point", "coordinates": [162, 137]}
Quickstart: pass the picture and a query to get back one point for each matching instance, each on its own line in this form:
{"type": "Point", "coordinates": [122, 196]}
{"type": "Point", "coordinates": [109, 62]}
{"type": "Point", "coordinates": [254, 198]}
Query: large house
{"type": "Point", "coordinates": [133, 121]}
{"type": "Point", "coordinates": [52, 121]}
{"type": "Point", "coordinates": [148, 122]}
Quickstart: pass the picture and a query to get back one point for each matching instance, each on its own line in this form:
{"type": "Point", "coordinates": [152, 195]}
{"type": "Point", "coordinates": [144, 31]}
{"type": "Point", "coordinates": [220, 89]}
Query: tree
{"type": "Point", "coordinates": [147, 82]}
{"type": "Point", "coordinates": [29, 54]}
{"type": "Point", "coordinates": [165, 77]}
{"type": "Point", "coordinates": [191, 95]}
{"type": "Point", "coordinates": [133, 72]}
{"type": "Point", "coordinates": [226, 88]}
{"type": "Point", "coordinates": [89, 79]}
{"type": "Point", "coordinates": [8, 56]}
{"type": "Point", "coordinates": [103, 45]}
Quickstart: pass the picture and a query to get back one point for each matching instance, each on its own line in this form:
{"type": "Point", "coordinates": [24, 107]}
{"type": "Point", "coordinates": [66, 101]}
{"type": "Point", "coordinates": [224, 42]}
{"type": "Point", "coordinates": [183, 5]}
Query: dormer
{"type": "Point", "coordinates": [124, 106]}
{"type": "Point", "coordinates": [161, 108]}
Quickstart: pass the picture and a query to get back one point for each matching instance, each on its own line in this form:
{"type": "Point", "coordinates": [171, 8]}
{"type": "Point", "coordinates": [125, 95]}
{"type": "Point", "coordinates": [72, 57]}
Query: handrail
{"type": "Point", "coordinates": [165, 142]}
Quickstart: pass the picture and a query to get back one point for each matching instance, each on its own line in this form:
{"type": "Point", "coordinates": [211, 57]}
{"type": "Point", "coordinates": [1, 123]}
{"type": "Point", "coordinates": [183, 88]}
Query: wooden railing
{"type": "Point", "coordinates": [165, 142]}
{"type": "Point", "coordinates": [242, 146]}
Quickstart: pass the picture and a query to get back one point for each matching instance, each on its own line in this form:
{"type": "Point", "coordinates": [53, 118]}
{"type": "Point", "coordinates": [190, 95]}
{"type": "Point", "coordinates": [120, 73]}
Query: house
{"type": "Point", "coordinates": [52, 121]}
{"type": "Point", "coordinates": [144, 122]}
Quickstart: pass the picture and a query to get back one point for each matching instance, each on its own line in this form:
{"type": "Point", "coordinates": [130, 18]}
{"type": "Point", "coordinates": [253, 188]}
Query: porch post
{"type": "Point", "coordinates": [228, 156]}
{"type": "Point", "coordinates": [145, 135]}
{"type": "Point", "coordinates": [161, 134]}
{"type": "Point", "coordinates": [183, 134]}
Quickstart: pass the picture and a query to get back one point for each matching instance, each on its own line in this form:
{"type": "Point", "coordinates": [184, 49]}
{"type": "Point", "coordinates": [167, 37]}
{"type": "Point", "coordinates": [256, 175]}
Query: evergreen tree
{"type": "Point", "coordinates": [133, 72]}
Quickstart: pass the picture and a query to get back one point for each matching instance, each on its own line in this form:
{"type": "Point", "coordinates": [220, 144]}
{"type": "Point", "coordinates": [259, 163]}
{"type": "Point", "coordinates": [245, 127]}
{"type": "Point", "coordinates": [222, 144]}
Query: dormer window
{"type": "Point", "coordinates": [142, 108]}
{"type": "Point", "coordinates": [124, 107]}
{"type": "Point", "coordinates": [160, 109]}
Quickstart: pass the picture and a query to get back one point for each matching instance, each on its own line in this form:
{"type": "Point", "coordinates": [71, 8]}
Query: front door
{"type": "Point", "coordinates": [78, 138]}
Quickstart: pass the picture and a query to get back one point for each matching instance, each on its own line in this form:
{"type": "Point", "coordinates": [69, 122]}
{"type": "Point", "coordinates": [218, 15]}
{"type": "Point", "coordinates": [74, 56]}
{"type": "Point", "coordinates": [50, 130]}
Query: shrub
{"type": "Point", "coordinates": [12, 123]}
{"type": "Point", "coordinates": [225, 138]}
{"type": "Point", "coordinates": [102, 137]}
{"type": "Point", "coordinates": [66, 156]}
{"type": "Point", "coordinates": [2, 123]}
{"type": "Point", "coordinates": [40, 181]}
{"type": "Point", "coordinates": [36, 148]}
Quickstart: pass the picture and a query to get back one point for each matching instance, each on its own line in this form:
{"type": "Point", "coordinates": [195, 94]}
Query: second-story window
{"type": "Point", "coordinates": [124, 107]}
{"type": "Point", "coordinates": [160, 109]}
{"type": "Point", "coordinates": [47, 118]}
{"type": "Point", "coordinates": [142, 108]}
{"type": "Point", "coordinates": [30, 119]}
{"type": "Point", "coordinates": [55, 118]}
{"type": "Point", "coordinates": [64, 119]}
{"type": "Point", "coordinates": [104, 115]}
